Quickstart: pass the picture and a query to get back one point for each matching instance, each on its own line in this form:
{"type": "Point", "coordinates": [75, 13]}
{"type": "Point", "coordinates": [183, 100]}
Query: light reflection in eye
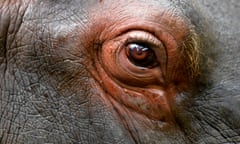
{"type": "Point", "coordinates": [141, 54]}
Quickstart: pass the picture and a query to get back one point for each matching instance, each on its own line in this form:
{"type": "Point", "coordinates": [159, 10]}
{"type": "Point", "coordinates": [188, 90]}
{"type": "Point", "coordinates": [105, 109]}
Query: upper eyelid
{"type": "Point", "coordinates": [156, 44]}
{"type": "Point", "coordinates": [143, 37]}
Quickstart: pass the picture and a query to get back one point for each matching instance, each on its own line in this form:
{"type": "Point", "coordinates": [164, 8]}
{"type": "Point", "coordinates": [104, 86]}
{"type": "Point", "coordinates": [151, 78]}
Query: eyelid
{"type": "Point", "coordinates": [143, 37]}
{"type": "Point", "coordinates": [153, 42]}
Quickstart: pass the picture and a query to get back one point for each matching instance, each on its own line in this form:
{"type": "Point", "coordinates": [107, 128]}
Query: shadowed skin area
{"type": "Point", "coordinates": [137, 71]}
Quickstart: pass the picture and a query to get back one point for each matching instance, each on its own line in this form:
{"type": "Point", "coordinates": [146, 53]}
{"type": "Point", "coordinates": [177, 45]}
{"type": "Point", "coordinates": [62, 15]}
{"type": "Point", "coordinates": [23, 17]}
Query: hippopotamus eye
{"type": "Point", "coordinates": [135, 58]}
{"type": "Point", "coordinates": [141, 54]}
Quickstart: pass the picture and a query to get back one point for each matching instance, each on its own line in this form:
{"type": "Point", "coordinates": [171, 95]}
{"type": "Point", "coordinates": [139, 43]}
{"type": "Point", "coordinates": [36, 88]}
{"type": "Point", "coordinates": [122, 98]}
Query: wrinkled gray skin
{"type": "Point", "coordinates": [47, 95]}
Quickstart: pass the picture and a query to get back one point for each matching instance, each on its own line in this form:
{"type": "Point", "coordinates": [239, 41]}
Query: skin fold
{"type": "Point", "coordinates": [102, 71]}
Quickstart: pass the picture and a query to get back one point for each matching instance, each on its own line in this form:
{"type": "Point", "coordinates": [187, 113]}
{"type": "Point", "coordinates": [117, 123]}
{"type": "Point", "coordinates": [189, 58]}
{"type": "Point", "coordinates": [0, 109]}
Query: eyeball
{"type": "Point", "coordinates": [141, 54]}
{"type": "Point", "coordinates": [134, 58]}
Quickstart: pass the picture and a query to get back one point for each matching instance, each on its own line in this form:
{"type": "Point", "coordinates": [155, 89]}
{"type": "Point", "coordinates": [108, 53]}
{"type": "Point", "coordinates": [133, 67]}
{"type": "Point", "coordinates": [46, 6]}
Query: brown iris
{"type": "Point", "coordinates": [141, 55]}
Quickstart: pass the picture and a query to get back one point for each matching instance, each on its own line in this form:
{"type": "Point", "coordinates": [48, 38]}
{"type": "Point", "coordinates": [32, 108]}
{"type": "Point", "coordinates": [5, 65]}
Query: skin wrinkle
{"type": "Point", "coordinates": [111, 29]}
{"type": "Point", "coordinates": [123, 120]}
{"type": "Point", "coordinates": [43, 41]}
{"type": "Point", "coordinates": [113, 26]}
{"type": "Point", "coordinates": [49, 94]}
{"type": "Point", "coordinates": [126, 121]}
{"type": "Point", "coordinates": [11, 30]}
{"type": "Point", "coordinates": [104, 39]}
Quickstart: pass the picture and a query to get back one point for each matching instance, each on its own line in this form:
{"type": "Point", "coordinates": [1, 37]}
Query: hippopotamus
{"type": "Point", "coordinates": [126, 72]}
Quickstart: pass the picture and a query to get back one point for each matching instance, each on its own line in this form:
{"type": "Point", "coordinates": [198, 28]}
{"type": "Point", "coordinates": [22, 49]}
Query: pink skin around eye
{"type": "Point", "coordinates": [149, 92]}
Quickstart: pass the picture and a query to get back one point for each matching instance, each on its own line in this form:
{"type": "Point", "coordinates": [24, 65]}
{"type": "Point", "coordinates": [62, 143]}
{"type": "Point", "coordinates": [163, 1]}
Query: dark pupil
{"type": "Point", "coordinates": [141, 55]}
